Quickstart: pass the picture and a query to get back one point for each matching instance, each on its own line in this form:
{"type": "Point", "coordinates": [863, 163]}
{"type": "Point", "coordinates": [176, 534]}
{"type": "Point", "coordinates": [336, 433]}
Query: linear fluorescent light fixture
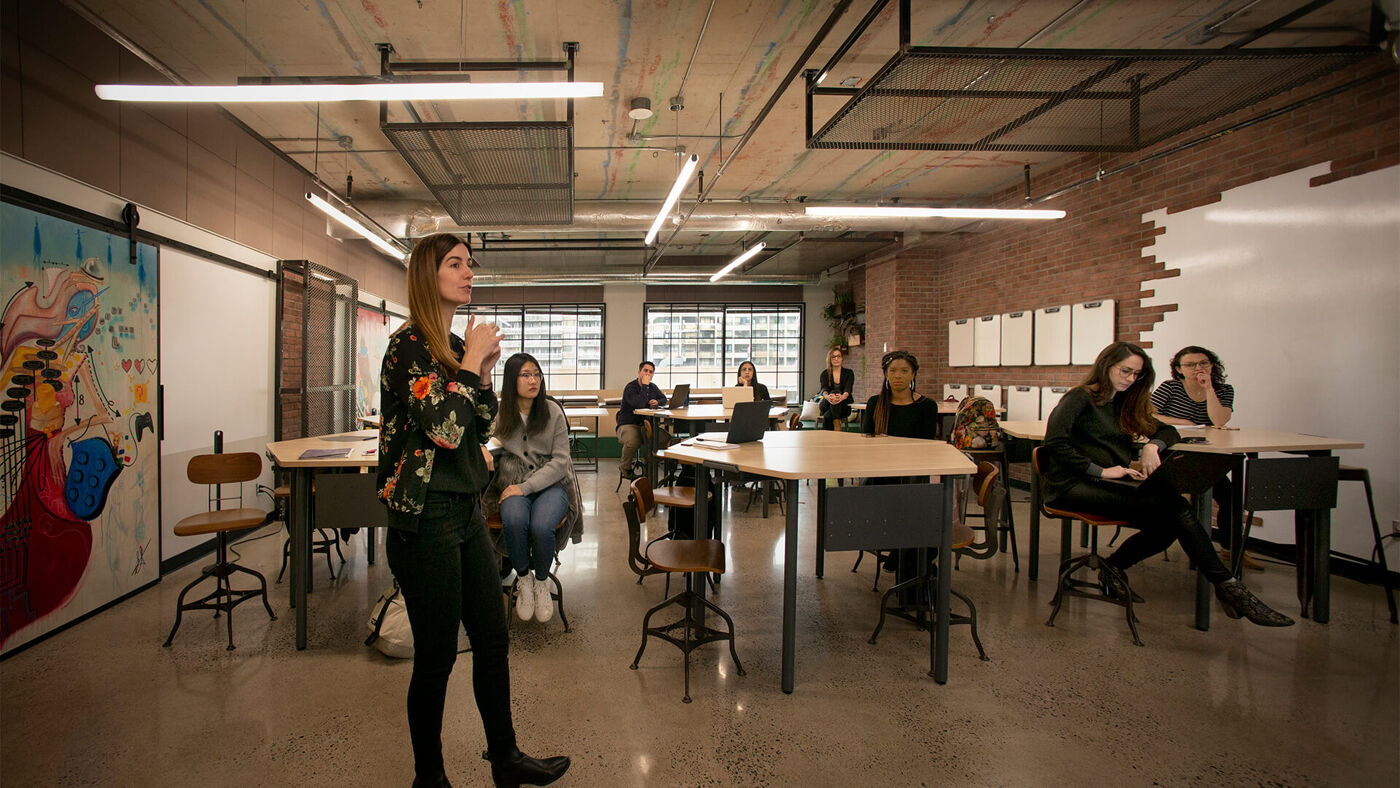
{"type": "Point", "coordinates": [345, 219]}
{"type": "Point", "coordinates": [872, 212]}
{"type": "Point", "coordinates": [375, 91]}
{"type": "Point", "coordinates": [738, 261]}
{"type": "Point", "coordinates": [681, 180]}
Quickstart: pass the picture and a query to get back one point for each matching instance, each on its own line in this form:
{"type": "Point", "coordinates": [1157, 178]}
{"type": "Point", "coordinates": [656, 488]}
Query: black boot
{"type": "Point", "coordinates": [1238, 601]}
{"type": "Point", "coordinates": [515, 768]}
{"type": "Point", "coordinates": [1114, 583]}
{"type": "Point", "coordinates": [438, 780]}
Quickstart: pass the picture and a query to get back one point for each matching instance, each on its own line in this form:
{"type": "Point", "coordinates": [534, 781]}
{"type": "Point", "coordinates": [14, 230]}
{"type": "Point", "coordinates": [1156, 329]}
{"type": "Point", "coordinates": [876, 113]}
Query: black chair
{"type": "Point", "coordinates": [1068, 585]}
{"type": "Point", "coordinates": [690, 557]}
{"type": "Point", "coordinates": [216, 470]}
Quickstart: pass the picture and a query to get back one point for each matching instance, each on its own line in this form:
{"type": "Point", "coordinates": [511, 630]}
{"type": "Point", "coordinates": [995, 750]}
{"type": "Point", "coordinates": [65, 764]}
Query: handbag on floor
{"type": "Point", "coordinates": [388, 626]}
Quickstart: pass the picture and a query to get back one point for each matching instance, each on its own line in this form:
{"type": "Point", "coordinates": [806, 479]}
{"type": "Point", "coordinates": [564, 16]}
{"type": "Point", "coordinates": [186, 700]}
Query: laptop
{"type": "Point", "coordinates": [749, 422]}
{"type": "Point", "coordinates": [680, 398]}
{"type": "Point", "coordinates": [1184, 473]}
{"type": "Point", "coordinates": [733, 395]}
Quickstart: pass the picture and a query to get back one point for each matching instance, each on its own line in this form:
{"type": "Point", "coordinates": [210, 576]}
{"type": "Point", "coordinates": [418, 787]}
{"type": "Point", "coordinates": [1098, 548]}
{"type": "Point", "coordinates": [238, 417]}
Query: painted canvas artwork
{"type": "Point", "coordinates": [371, 338]}
{"type": "Point", "coordinates": [79, 456]}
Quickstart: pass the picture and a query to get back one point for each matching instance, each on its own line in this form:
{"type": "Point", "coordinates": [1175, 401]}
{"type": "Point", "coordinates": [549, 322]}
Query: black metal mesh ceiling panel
{"type": "Point", "coordinates": [493, 173]}
{"type": "Point", "coordinates": [934, 98]}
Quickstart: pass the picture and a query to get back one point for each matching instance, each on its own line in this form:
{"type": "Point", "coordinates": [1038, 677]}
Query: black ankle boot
{"type": "Point", "coordinates": [1238, 601]}
{"type": "Point", "coordinates": [515, 768]}
{"type": "Point", "coordinates": [438, 780]}
{"type": "Point", "coordinates": [1115, 586]}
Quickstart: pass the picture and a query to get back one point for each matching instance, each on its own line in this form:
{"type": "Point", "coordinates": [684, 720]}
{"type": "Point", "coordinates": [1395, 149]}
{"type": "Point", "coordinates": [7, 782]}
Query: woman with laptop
{"type": "Point", "coordinates": [748, 377]}
{"type": "Point", "coordinates": [435, 389]}
{"type": "Point", "coordinates": [532, 483]}
{"type": "Point", "coordinates": [1089, 442]}
{"type": "Point", "coordinates": [836, 383]}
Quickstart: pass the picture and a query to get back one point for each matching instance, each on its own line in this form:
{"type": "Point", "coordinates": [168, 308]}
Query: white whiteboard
{"type": "Point", "coordinates": [956, 391]}
{"type": "Point", "coordinates": [960, 343]}
{"type": "Point", "coordinates": [1052, 335]}
{"type": "Point", "coordinates": [1049, 398]}
{"type": "Point", "coordinates": [1016, 338]}
{"type": "Point", "coordinates": [216, 359]}
{"type": "Point", "coordinates": [1023, 403]}
{"type": "Point", "coordinates": [991, 392]}
{"type": "Point", "coordinates": [1092, 330]}
{"type": "Point", "coordinates": [986, 341]}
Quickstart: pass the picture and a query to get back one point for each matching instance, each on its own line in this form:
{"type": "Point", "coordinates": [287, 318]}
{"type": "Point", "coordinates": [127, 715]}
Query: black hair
{"type": "Point", "coordinates": [752, 381]}
{"type": "Point", "coordinates": [1217, 369]}
{"type": "Point", "coordinates": [508, 417]}
{"type": "Point", "coordinates": [886, 397]}
{"type": "Point", "coordinates": [646, 364]}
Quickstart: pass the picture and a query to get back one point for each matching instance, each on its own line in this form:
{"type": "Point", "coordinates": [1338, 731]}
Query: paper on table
{"type": "Point", "coordinates": [323, 454]}
{"type": "Point", "coordinates": [709, 444]}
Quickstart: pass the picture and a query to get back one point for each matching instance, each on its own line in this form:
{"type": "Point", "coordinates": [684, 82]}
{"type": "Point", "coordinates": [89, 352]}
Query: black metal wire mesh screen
{"type": "Point", "coordinates": [317, 388]}
{"type": "Point", "coordinates": [1060, 100]}
{"type": "Point", "coordinates": [493, 173]}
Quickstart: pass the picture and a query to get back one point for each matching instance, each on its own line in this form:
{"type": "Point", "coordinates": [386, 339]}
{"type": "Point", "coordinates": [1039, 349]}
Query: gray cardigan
{"type": "Point", "coordinates": [546, 454]}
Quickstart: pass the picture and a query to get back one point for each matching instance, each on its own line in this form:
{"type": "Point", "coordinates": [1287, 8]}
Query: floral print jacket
{"type": "Point", "coordinates": [424, 412]}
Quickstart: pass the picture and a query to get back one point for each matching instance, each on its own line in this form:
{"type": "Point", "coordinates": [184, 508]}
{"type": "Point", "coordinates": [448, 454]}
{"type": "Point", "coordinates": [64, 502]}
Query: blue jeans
{"type": "Point", "coordinates": [449, 579]}
{"type": "Point", "coordinates": [532, 519]}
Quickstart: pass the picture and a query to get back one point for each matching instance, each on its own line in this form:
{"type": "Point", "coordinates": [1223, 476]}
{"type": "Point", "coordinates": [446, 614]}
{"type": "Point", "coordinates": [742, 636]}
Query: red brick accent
{"type": "Point", "coordinates": [1097, 251]}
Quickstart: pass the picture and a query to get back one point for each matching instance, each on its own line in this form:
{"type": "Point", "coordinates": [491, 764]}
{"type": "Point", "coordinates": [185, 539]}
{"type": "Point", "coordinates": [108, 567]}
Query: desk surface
{"type": "Point", "coordinates": [819, 454]}
{"type": "Point", "coordinates": [363, 446]}
{"type": "Point", "coordinates": [576, 412]}
{"type": "Point", "coordinates": [705, 413]}
{"type": "Point", "coordinates": [1241, 441]}
{"type": "Point", "coordinates": [369, 420]}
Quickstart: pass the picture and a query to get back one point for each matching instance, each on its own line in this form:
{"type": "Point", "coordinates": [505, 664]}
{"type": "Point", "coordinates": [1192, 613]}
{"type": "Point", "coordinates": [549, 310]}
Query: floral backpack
{"type": "Point", "coordinates": [975, 425]}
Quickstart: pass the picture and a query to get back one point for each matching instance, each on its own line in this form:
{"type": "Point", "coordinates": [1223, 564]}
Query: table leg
{"type": "Point", "coordinates": [821, 526]}
{"type": "Point", "coordinates": [1033, 562]}
{"type": "Point", "coordinates": [652, 441]}
{"type": "Point", "coordinates": [945, 584]}
{"type": "Point", "coordinates": [1202, 504]}
{"type": "Point", "coordinates": [300, 511]}
{"type": "Point", "coordinates": [699, 529]}
{"type": "Point", "coordinates": [1304, 544]}
{"type": "Point", "coordinates": [1322, 566]}
{"type": "Point", "coordinates": [790, 588]}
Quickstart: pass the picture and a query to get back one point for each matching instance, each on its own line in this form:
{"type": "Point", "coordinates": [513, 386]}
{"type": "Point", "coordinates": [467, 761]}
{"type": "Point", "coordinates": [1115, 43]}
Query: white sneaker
{"type": "Point", "coordinates": [525, 597]}
{"type": "Point", "coordinates": [544, 604]}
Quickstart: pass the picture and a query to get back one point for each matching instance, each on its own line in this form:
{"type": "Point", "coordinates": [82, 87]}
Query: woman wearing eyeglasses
{"type": "Point", "coordinates": [1090, 438]}
{"type": "Point", "coordinates": [532, 478]}
{"type": "Point", "coordinates": [748, 377]}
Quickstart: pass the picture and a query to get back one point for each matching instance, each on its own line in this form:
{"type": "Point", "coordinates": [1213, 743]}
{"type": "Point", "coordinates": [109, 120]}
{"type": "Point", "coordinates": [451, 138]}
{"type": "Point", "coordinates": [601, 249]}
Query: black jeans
{"type": "Point", "coordinates": [448, 573]}
{"type": "Point", "coordinates": [1160, 520]}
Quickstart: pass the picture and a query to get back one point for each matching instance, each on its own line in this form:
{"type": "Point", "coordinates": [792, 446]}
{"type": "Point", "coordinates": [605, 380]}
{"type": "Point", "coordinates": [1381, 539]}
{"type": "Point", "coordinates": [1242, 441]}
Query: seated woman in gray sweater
{"type": "Point", "coordinates": [534, 472]}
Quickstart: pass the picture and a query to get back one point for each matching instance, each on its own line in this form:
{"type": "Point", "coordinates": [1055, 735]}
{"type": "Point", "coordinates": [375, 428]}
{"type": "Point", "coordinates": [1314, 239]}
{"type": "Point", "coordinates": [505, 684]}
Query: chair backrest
{"type": "Point", "coordinates": [982, 481]}
{"type": "Point", "coordinates": [993, 498]}
{"type": "Point", "coordinates": [795, 421]}
{"type": "Point", "coordinates": [242, 466]}
{"type": "Point", "coordinates": [642, 495]}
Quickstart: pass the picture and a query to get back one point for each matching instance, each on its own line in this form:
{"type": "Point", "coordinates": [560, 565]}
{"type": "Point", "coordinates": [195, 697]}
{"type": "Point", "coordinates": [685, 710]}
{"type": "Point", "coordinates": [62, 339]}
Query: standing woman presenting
{"type": "Point", "coordinates": [435, 391]}
{"type": "Point", "coordinates": [836, 383]}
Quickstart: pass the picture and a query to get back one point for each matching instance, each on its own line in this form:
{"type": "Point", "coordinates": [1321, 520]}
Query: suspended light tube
{"type": "Point", "coordinates": [675, 194]}
{"type": "Point", "coordinates": [871, 211]}
{"type": "Point", "coordinates": [345, 219]}
{"type": "Point", "coordinates": [738, 261]}
{"type": "Point", "coordinates": [375, 91]}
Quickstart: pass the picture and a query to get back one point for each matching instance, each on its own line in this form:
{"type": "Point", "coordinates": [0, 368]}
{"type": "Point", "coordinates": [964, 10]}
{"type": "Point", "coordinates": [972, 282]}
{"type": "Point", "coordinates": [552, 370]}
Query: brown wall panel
{"type": "Point", "coordinates": [252, 210]}
{"type": "Point", "coordinates": [210, 202]}
{"type": "Point", "coordinates": [66, 127]}
{"type": "Point", "coordinates": [153, 166]}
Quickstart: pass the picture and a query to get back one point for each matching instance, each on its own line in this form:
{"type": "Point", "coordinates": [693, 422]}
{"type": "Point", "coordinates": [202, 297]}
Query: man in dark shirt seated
{"type": "Point", "coordinates": [638, 394]}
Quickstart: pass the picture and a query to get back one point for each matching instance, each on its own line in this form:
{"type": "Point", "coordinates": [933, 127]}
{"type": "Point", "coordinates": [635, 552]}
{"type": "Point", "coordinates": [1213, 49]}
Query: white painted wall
{"type": "Point", "coordinates": [1297, 288]}
{"type": "Point", "coordinates": [622, 332]}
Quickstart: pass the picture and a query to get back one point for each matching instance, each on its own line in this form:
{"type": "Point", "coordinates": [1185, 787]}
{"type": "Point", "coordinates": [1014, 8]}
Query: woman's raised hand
{"type": "Point", "coordinates": [483, 346]}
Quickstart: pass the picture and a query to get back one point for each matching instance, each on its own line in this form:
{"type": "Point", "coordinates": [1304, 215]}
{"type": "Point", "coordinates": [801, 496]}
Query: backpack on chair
{"type": "Point", "coordinates": [975, 425]}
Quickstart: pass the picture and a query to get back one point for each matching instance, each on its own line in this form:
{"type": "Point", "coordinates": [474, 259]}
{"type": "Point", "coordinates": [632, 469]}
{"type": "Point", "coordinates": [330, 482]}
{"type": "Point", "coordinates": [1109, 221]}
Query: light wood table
{"type": "Point", "coordinates": [1314, 527]}
{"type": "Point", "coordinates": [364, 447]}
{"type": "Point", "coordinates": [370, 420]}
{"type": "Point", "coordinates": [703, 414]}
{"type": "Point", "coordinates": [794, 455]}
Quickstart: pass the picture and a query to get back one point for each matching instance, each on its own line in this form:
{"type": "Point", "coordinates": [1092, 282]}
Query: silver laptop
{"type": "Point", "coordinates": [733, 395]}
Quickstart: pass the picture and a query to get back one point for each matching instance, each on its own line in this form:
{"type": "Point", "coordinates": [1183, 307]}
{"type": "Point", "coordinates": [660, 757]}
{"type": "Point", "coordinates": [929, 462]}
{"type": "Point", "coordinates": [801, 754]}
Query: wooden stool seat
{"type": "Point", "coordinates": [687, 555]}
{"type": "Point", "coordinates": [219, 520]}
{"type": "Point", "coordinates": [1084, 517]}
{"type": "Point", "coordinates": [963, 536]}
{"type": "Point", "coordinates": [677, 497]}
{"type": "Point", "coordinates": [282, 491]}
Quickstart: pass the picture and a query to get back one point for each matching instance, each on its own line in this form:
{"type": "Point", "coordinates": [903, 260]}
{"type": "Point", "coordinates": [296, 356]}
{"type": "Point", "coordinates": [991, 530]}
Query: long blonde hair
{"type": "Point", "coordinates": [831, 378]}
{"type": "Point", "coordinates": [424, 300]}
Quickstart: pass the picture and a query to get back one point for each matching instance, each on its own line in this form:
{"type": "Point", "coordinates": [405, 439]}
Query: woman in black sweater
{"type": "Point", "coordinates": [749, 377]}
{"type": "Point", "coordinates": [837, 383]}
{"type": "Point", "coordinates": [1091, 436]}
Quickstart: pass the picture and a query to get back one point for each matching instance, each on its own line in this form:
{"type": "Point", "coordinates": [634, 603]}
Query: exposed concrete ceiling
{"type": "Point", "coordinates": [654, 49]}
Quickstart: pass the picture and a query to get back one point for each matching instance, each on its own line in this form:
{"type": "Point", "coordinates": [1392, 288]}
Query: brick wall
{"type": "Point", "coordinates": [1096, 252]}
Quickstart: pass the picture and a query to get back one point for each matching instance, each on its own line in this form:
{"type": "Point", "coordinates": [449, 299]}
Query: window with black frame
{"type": "Point", "coordinates": [567, 339]}
{"type": "Point", "coordinates": [704, 344]}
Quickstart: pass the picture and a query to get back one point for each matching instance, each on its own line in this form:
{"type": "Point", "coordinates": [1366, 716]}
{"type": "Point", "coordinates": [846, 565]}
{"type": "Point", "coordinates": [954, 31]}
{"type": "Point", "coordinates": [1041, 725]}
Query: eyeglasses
{"type": "Point", "coordinates": [1129, 372]}
{"type": "Point", "coordinates": [1195, 365]}
{"type": "Point", "coordinates": [531, 376]}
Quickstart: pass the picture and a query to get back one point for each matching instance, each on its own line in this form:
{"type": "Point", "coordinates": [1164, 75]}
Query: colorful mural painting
{"type": "Point", "coordinates": [371, 338]}
{"type": "Point", "coordinates": [79, 458]}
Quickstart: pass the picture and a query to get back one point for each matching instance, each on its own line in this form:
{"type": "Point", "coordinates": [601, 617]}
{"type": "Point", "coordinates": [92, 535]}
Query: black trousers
{"type": "Point", "coordinates": [1159, 520]}
{"type": "Point", "coordinates": [449, 575]}
{"type": "Point", "coordinates": [833, 413]}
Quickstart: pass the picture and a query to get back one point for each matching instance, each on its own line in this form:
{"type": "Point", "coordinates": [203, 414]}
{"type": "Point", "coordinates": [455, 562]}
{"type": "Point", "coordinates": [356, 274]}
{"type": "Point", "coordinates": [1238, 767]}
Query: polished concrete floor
{"type": "Point", "coordinates": [104, 704]}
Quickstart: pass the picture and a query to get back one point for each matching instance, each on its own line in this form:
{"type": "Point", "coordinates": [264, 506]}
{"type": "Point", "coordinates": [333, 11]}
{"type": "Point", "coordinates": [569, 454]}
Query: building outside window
{"type": "Point", "coordinates": [566, 338]}
{"type": "Point", "coordinates": [704, 344]}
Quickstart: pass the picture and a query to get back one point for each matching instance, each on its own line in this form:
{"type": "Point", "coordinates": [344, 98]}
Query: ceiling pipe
{"type": "Point", "coordinates": [417, 218]}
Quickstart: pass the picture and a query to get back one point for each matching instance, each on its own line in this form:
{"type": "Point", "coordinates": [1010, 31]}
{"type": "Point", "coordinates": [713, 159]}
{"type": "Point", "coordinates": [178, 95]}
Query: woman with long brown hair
{"type": "Point", "coordinates": [435, 391]}
{"type": "Point", "coordinates": [1091, 437]}
{"type": "Point", "coordinates": [837, 383]}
